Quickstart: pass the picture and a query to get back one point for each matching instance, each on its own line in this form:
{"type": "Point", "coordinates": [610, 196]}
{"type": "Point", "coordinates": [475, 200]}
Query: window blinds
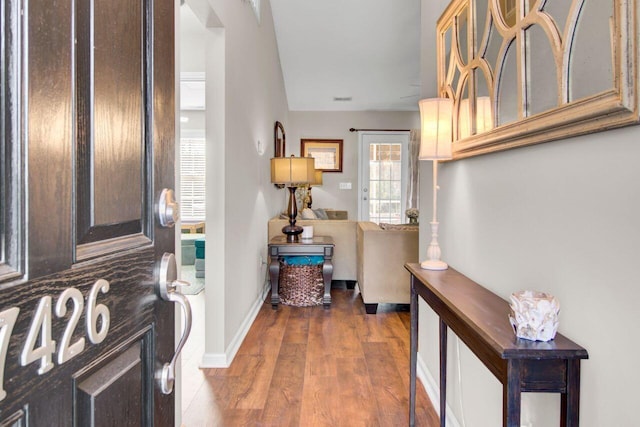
{"type": "Point", "coordinates": [192, 179]}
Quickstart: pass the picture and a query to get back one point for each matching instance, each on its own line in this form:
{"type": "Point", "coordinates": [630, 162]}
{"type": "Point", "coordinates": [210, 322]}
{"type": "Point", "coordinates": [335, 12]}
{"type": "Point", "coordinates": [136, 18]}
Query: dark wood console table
{"type": "Point", "coordinates": [479, 318]}
{"type": "Point", "coordinates": [318, 246]}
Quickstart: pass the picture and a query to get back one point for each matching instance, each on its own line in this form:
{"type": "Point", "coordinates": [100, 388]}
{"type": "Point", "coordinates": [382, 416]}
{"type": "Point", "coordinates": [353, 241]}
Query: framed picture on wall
{"type": "Point", "coordinates": [326, 152]}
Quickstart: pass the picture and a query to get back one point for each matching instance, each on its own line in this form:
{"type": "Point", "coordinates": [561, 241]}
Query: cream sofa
{"type": "Point", "coordinates": [381, 256]}
{"type": "Point", "coordinates": [342, 231]}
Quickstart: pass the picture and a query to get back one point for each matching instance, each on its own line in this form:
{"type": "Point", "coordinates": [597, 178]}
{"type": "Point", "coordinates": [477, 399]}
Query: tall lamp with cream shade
{"type": "Point", "coordinates": [435, 144]}
{"type": "Point", "coordinates": [292, 172]}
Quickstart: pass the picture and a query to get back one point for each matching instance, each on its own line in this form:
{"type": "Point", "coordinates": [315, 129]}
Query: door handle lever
{"type": "Point", "coordinates": [168, 289]}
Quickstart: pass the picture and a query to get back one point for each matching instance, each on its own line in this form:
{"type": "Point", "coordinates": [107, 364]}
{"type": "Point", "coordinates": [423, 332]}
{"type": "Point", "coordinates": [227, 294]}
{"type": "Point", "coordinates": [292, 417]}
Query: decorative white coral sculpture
{"type": "Point", "coordinates": [534, 315]}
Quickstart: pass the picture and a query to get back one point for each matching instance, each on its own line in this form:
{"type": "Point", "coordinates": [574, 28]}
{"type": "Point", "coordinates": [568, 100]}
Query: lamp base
{"type": "Point", "coordinates": [292, 232]}
{"type": "Point", "coordinates": [434, 264]}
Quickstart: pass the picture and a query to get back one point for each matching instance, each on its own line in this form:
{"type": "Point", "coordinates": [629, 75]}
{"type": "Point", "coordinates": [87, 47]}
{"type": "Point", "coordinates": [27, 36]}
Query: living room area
{"type": "Point", "coordinates": [249, 200]}
{"type": "Point", "coordinates": [240, 192]}
{"type": "Point", "coordinates": [527, 218]}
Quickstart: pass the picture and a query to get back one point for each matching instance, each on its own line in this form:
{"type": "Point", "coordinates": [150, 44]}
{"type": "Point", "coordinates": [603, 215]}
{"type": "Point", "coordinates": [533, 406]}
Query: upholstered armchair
{"type": "Point", "coordinates": [382, 254]}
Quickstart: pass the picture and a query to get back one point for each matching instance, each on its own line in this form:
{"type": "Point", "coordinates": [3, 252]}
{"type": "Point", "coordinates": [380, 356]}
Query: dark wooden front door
{"type": "Point", "coordinates": [87, 143]}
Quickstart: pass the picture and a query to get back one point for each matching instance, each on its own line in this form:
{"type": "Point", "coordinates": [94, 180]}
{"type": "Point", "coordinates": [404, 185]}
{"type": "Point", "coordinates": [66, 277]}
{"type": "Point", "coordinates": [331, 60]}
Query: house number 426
{"type": "Point", "coordinates": [41, 326]}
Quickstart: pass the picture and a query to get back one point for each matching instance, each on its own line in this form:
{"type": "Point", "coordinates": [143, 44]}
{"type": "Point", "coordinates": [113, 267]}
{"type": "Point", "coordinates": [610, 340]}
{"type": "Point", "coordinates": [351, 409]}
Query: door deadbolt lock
{"type": "Point", "coordinates": [168, 208]}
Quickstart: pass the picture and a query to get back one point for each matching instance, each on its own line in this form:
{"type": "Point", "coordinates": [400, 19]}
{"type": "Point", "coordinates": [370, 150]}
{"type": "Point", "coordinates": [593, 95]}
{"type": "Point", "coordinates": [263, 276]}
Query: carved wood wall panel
{"type": "Point", "coordinates": [522, 72]}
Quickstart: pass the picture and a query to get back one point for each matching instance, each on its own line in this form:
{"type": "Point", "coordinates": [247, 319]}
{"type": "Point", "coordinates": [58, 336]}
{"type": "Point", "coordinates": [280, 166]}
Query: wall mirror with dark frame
{"type": "Point", "coordinates": [522, 72]}
{"type": "Point", "coordinates": [279, 144]}
{"type": "Point", "coordinates": [279, 140]}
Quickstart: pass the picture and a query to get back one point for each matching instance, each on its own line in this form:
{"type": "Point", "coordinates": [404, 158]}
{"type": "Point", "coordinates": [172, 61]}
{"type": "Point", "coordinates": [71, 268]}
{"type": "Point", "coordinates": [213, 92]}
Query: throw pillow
{"type": "Point", "coordinates": [308, 214]}
{"type": "Point", "coordinates": [333, 214]}
{"type": "Point", "coordinates": [320, 213]}
{"type": "Point", "coordinates": [386, 226]}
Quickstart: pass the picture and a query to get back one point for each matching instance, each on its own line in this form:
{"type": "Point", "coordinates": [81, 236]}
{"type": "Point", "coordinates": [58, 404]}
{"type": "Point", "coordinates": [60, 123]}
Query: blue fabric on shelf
{"type": "Point", "coordinates": [199, 253]}
{"type": "Point", "coordinates": [303, 260]}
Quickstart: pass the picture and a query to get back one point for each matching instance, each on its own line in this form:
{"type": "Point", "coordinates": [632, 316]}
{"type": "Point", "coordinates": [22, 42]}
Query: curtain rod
{"type": "Point", "coordinates": [379, 130]}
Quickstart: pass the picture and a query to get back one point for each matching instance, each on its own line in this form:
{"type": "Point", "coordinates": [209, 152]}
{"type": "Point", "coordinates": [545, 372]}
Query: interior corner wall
{"type": "Point", "coordinates": [560, 217]}
{"type": "Point", "coordinates": [240, 197]}
{"type": "Point", "coordinates": [336, 125]}
{"type": "Point", "coordinates": [215, 188]}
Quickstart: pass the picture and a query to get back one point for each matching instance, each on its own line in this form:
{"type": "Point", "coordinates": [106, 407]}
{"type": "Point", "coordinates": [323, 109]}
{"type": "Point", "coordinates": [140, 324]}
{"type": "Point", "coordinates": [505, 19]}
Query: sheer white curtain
{"type": "Point", "coordinates": [413, 190]}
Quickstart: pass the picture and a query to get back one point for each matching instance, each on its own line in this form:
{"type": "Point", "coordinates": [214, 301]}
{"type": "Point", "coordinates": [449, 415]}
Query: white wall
{"type": "Point", "coordinates": [562, 217]}
{"type": "Point", "coordinates": [192, 55]}
{"type": "Point", "coordinates": [245, 96]}
{"type": "Point", "coordinates": [336, 125]}
{"type": "Point", "coordinates": [192, 46]}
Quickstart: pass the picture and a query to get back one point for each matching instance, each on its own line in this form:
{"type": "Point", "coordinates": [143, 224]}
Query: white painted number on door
{"type": "Point", "coordinates": [7, 321]}
{"type": "Point", "coordinates": [40, 325]}
{"type": "Point", "coordinates": [67, 351]}
{"type": "Point", "coordinates": [96, 314]}
{"type": "Point", "coordinates": [97, 311]}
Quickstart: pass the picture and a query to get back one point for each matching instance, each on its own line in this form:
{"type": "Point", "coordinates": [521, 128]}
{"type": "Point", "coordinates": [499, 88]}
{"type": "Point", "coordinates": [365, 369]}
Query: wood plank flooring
{"type": "Point", "coordinates": [307, 366]}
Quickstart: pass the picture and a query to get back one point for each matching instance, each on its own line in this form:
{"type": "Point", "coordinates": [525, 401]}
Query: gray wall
{"type": "Point", "coordinates": [561, 217]}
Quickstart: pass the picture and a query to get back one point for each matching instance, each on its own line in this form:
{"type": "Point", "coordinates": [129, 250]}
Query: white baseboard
{"type": "Point", "coordinates": [432, 387]}
{"type": "Point", "coordinates": [223, 360]}
{"type": "Point", "coordinates": [214, 360]}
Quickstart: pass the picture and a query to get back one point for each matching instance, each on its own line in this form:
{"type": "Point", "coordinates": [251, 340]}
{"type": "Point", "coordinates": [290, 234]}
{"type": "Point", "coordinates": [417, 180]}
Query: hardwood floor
{"type": "Point", "coordinates": [307, 366]}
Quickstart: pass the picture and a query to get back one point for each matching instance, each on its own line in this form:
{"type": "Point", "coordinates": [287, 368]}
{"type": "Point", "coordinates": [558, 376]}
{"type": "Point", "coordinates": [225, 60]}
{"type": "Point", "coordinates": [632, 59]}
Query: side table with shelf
{"type": "Point", "coordinates": [318, 246]}
{"type": "Point", "coordinates": [480, 319]}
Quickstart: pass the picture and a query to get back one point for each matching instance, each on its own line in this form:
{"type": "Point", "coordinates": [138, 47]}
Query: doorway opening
{"type": "Point", "coordinates": [192, 169]}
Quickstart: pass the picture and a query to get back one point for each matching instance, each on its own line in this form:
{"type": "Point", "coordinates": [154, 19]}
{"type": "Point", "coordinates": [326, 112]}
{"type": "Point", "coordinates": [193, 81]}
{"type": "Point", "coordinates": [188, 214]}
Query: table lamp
{"type": "Point", "coordinates": [317, 181]}
{"type": "Point", "coordinates": [435, 144]}
{"type": "Point", "coordinates": [292, 172]}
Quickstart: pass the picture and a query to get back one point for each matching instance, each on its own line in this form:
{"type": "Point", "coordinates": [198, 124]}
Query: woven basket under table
{"type": "Point", "coordinates": [301, 285]}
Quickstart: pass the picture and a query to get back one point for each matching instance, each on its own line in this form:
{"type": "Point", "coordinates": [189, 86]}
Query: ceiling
{"type": "Point", "coordinates": [368, 50]}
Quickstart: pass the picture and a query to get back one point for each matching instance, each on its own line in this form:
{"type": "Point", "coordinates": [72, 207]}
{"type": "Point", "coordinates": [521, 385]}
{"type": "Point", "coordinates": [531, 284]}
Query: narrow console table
{"type": "Point", "coordinates": [318, 246]}
{"type": "Point", "coordinates": [480, 319]}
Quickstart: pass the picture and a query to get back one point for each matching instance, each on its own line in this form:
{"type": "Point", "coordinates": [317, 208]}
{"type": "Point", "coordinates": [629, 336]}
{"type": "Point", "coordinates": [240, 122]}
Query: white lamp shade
{"type": "Point", "coordinates": [292, 170]}
{"type": "Point", "coordinates": [436, 117]}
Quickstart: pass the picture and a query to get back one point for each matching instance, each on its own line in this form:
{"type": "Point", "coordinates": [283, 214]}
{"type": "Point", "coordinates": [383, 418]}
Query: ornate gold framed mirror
{"type": "Point", "coordinates": [522, 72]}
